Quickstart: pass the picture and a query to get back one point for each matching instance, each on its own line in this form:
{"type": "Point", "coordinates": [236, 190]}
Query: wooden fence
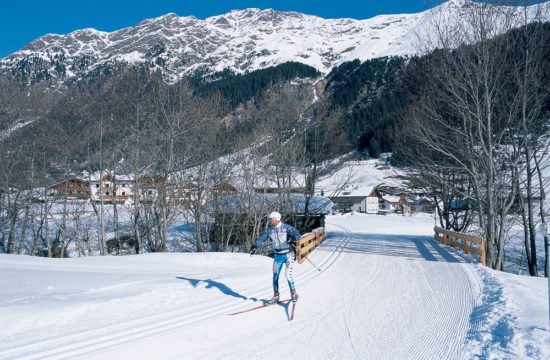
{"type": "Point", "coordinates": [308, 242]}
{"type": "Point", "coordinates": [465, 242]}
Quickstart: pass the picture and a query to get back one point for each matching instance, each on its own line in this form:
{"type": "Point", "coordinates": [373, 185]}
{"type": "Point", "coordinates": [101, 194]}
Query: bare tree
{"type": "Point", "coordinates": [542, 163]}
{"type": "Point", "coordinates": [469, 115]}
{"type": "Point", "coordinates": [284, 146]}
{"type": "Point", "coordinates": [139, 148]}
{"type": "Point", "coordinates": [181, 129]}
{"type": "Point", "coordinates": [319, 135]}
{"type": "Point", "coordinates": [532, 94]}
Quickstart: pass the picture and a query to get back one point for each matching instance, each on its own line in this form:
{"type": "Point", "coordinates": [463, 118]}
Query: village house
{"type": "Point", "coordinates": [352, 198]}
{"type": "Point", "coordinates": [423, 205]}
{"type": "Point", "coordinates": [72, 189]}
{"type": "Point", "coordinates": [391, 203]}
{"type": "Point", "coordinates": [121, 189]}
{"type": "Point", "coordinates": [393, 200]}
{"type": "Point", "coordinates": [146, 188]}
{"type": "Point", "coordinates": [111, 189]}
{"type": "Point", "coordinates": [224, 188]}
{"type": "Point", "coordinates": [378, 200]}
{"type": "Point", "coordinates": [279, 190]}
{"type": "Point", "coordinates": [236, 218]}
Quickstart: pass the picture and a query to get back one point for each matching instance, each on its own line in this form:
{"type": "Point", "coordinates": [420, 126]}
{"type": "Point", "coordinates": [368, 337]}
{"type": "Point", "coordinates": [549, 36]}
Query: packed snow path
{"type": "Point", "coordinates": [378, 296]}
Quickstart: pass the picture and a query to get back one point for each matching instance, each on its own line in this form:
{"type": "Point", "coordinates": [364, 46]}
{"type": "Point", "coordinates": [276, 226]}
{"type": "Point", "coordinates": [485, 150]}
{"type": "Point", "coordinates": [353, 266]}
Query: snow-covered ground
{"type": "Point", "coordinates": [386, 291]}
{"type": "Point", "coordinates": [358, 178]}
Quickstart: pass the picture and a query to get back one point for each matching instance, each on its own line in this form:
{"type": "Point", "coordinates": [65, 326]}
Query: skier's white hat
{"type": "Point", "coordinates": [274, 215]}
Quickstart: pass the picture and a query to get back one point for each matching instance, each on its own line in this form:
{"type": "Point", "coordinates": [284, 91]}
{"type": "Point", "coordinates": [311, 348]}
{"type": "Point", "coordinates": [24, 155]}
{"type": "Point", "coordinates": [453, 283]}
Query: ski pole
{"type": "Point", "coordinates": [312, 263]}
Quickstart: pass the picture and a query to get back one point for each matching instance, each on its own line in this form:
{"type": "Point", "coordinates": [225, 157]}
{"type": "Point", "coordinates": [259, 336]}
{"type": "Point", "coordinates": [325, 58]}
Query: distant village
{"type": "Point", "coordinates": [380, 200]}
{"type": "Point", "coordinates": [375, 198]}
{"type": "Point", "coordinates": [107, 189]}
{"type": "Point", "coordinates": [106, 212]}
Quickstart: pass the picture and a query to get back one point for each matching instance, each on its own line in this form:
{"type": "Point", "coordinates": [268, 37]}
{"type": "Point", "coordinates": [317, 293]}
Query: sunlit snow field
{"type": "Point", "coordinates": [386, 291]}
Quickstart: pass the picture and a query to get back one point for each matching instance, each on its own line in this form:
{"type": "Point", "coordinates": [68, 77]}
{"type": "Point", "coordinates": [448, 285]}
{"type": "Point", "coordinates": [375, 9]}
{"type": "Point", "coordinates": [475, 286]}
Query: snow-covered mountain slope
{"type": "Point", "coordinates": [242, 40]}
{"type": "Point", "coordinates": [359, 178]}
{"type": "Point", "coordinates": [386, 291]}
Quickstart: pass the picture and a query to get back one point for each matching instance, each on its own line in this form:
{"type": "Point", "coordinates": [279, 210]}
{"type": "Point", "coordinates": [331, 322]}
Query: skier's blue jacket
{"type": "Point", "coordinates": [281, 236]}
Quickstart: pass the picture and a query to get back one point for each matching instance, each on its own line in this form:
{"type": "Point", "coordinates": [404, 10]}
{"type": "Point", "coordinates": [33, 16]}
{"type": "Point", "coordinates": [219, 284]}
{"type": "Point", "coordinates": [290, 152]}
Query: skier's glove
{"type": "Point", "coordinates": [252, 250]}
{"type": "Point", "coordinates": [292, 245]}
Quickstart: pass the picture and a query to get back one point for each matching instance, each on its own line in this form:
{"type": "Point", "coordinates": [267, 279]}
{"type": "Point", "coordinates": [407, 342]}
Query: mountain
{"type": "Point", "coordinates": [241, 41]}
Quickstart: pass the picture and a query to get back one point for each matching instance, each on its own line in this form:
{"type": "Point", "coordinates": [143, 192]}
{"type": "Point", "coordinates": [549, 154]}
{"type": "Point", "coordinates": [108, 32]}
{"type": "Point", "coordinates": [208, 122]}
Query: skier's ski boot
{"type": "Point", "coordinates": [274, 299]}
{"type": "Point", "coordinates": [294, 295]}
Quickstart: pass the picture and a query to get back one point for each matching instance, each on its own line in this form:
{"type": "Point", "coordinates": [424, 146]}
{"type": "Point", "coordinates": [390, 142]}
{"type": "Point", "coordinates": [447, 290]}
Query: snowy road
{"type": "Point", "coordinates": [379, 296]}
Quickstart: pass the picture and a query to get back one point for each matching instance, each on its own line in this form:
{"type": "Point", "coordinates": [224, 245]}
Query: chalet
{"type": "Point", "coordinates": [280, 190]}
{"type": "Point", "coordinates": [392, 203]}
{"type": "Point", "coordinates": [146, 188]}
{"type": "Point", "coordinates": [190, 191]}
{"type": "Point", "coordinates": [237, 217]}
{"type": "Point", "coordinates": [72, 189]}
{"type": "Point", "coordinates": [111, 189]}
{"type": "Point", "coordinates": [151, 181]}
{"type": "Point", "coordinates": [423, 205]}
{"type": "Point", "coordinates": [224, 189]}
{"type": "Point", "coordinates": [121, 189]}
{"type": "Point", "coordinates": [394, 200]}
{"type": "Point", "coordinates": [378, 200]}
{"type": "Point", "coordinates": [348, 203]}
{"type": "Point", "coordinates": [352, 199]}
{"type": "Point", "coordinates": [374, 201]}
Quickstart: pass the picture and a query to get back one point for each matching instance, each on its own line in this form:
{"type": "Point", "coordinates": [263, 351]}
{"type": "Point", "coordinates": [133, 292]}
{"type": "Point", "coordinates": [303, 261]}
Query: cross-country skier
{"type": "Point", "coordinates": [283, 239]}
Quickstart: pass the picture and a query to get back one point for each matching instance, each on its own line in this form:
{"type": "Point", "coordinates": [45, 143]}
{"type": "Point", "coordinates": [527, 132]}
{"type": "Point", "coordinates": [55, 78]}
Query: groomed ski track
{"type": "Point", "coordinates": [378, 296]}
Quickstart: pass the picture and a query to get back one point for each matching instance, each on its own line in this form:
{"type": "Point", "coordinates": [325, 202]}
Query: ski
{"type": "Point", "coordinates": [264, 305]}
{"type": "Point", "coordinates": [292, 311]}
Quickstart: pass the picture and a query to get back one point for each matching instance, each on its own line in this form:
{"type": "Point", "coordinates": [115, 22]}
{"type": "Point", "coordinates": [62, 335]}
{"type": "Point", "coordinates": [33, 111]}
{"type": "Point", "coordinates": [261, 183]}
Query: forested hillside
{"type": "Point", "coordinates": [375, 99]}
{"type": "Point", "coordinates": [374, 94]}
{"type": "Point", "coordinates": [364, 106]}
{"type": "Point", "coordinates": [101, 115]}
{"type": "Point", "coordinates": [240, 88]}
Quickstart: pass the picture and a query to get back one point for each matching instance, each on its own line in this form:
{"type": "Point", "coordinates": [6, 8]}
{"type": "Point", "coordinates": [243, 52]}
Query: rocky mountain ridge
{"type": "Point", "coordinates": [241, 40]}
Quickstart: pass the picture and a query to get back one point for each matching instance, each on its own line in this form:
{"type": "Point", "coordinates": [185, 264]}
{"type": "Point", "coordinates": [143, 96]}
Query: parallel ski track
{"type": "Point", "coordinates": [355, 339]}
{"type": "Point", "coordinates": [437, 326]}
{"type": "Point", "coordinates": [349, 343]}
{"type": "Point", "coordinates": [453, 306]}
{"type": "Point", "coordinates": [103, 338]}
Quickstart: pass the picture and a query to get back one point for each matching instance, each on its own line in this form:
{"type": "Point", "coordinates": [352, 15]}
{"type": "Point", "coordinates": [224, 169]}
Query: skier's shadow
{"type": "Point", "coordinates": [287, 309]}
{"type": "Point", "coordinates": [216, 285]}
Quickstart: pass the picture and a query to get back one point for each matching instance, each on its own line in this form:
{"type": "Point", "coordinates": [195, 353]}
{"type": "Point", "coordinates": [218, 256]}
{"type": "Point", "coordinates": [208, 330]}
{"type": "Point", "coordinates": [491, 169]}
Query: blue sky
{"type": "Point", "coordinates": [23, 21]}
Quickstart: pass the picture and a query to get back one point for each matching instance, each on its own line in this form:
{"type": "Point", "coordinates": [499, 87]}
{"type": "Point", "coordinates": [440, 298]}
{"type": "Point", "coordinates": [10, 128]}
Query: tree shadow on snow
{"type": "Point", "coordinates": [212, 284]}
{"type": "Point", "coordinates": [405, 246]}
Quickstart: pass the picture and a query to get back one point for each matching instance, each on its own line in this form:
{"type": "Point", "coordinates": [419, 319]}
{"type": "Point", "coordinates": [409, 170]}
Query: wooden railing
{"type": "Point", "coordinates": [468, 243]}
{"type": "Point", "coordinates": [308, 242]}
